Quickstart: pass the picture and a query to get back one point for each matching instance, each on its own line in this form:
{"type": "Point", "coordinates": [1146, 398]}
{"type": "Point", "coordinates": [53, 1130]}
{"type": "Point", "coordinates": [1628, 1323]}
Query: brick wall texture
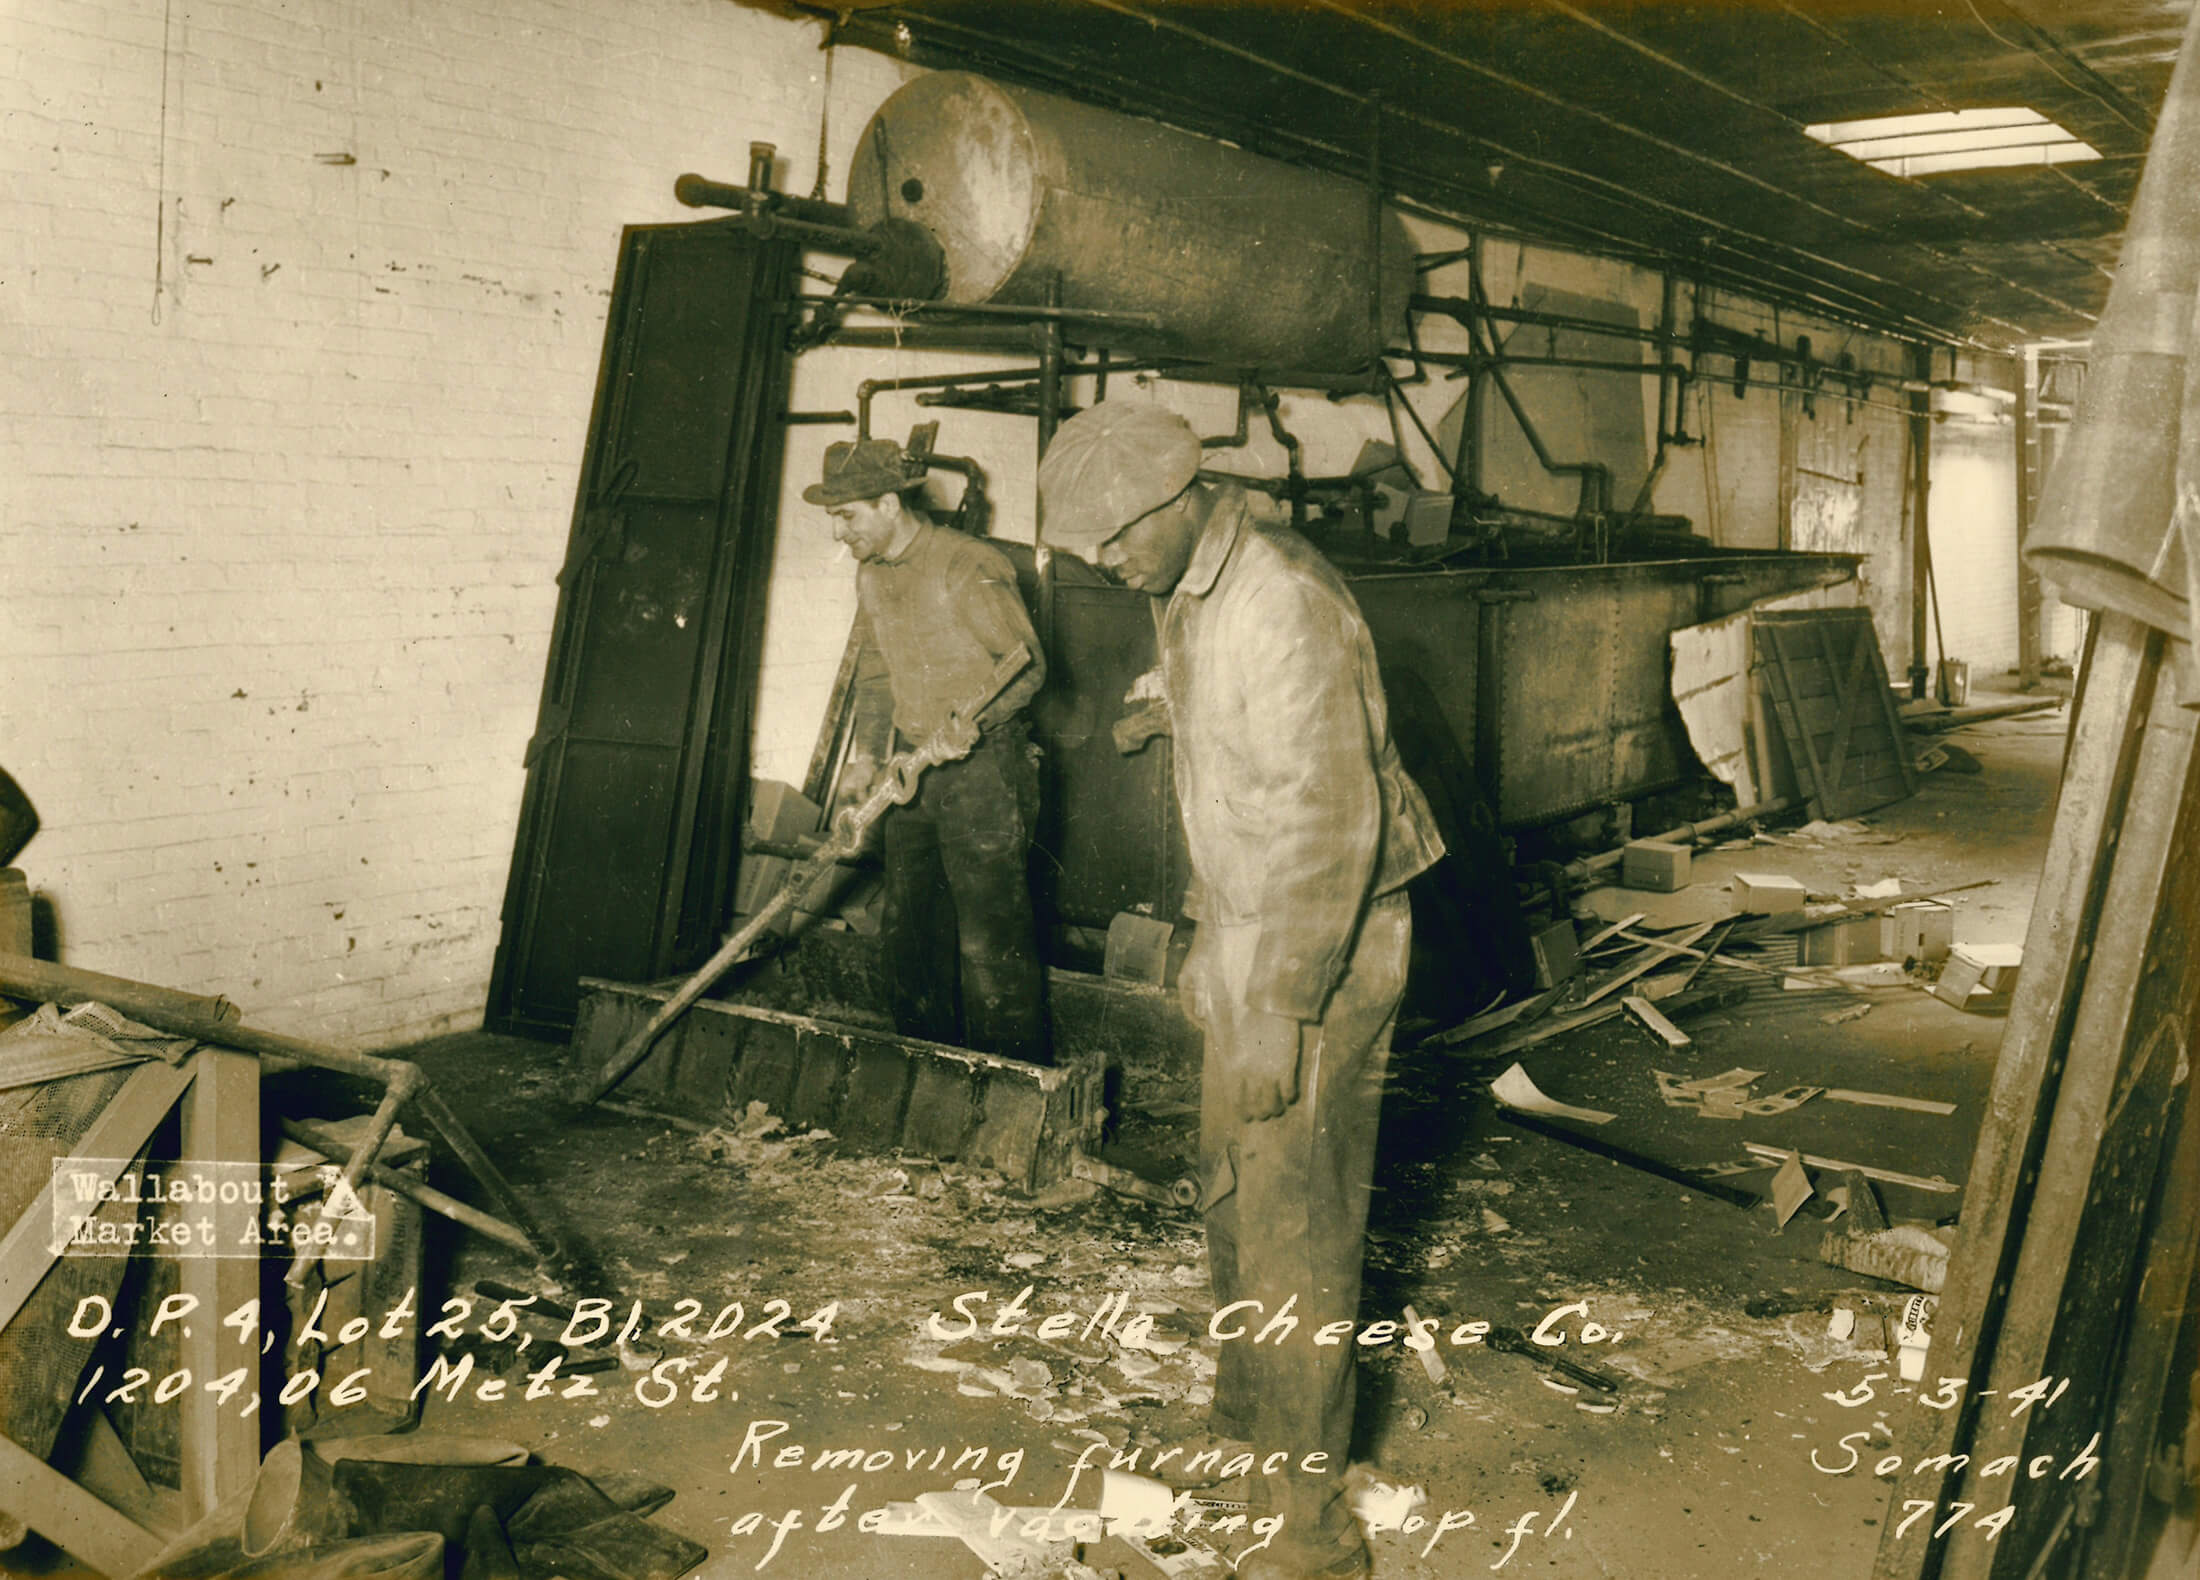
{"type": "Point", "coordinates": [300, 311]}
{"type": "Point", "coordinates": [301, 306]}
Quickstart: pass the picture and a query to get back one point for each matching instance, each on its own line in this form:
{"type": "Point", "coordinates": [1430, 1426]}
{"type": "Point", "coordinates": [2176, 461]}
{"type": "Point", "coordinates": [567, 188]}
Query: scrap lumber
{"type": "Point", "coordinates": [1916, 1105]}
{"type": "Point", "coordinates": [1673, 1001]}
{"type": "Point", "coordinates": [1957, 718]}
{"type": "Point", "coordinates": [166, 1010]}
{"type": "Point", "coordinates": [1628, 973]}
{"type": "Point", "coordinates": [1603, 933]}
{"type": "Point", "coordinates": [1797, 921]}
{"type": "Point", "coordinates": [1887, 1176]}
{"type": "Point", "coordinates": [1589, 866]}
{"type": "Point", "coordinates": [1496, 1019]}
{"type": "Point", "coordinates": [1650, 1016]}
{"type": "Point", "coordinates": [1900, 1256]}
{"type": "Point", "coordinates": [1706, 957]}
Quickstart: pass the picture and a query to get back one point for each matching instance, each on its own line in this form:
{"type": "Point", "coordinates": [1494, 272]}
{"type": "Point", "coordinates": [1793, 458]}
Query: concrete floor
{"type": "Point", "coordinates": [1712, 1458]}
{"type": "Point", "coordinates": [1718, 1321]}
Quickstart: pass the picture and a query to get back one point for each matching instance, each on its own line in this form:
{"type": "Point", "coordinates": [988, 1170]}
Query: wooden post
{"type": "Point", "coordinates": [221, 1124]}
{"type": "Point", "coordinates": [2040, 1065]}
{"type": "Point", "coordinates": [1921, 543]}
{"type": "Point", "coordinates": [2028, 483]}
{"type": "Point", "coordinates": [71, 1518]}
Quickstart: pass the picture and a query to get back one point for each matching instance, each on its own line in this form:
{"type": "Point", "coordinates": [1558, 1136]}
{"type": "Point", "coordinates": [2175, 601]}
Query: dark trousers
{"type": "Point", "coordinates": [1286, 1207]}
{"type": "Point", "coordinates": [959, 944]}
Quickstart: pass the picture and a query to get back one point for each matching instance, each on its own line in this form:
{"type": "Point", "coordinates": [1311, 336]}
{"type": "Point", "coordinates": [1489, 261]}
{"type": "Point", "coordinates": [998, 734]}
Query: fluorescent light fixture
{"type": "Point", "coordinates": [1942, 140]}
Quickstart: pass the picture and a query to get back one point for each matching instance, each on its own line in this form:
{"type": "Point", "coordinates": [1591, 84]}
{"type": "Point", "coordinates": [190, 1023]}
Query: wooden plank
{"type": "Point", "coordinates": [1891, 717]}
{"type": "Point", "coordinates": [1652, 957]}
{"type": "Point", "coordinates": [1649, 1014]}
{"type": "Point", "coordinates": [1799, 743]}
{"type": "Point", "coordinates": [2109, 1051]}
{"type": "Point", "coordinates": [1812, 680]}
{"type": "Point", "coordinates": [2158, 1311]}
{"type": "Point", "coordinates": [832, 732]}
{"type": "Point", "coordinates": [115, 1136]}
{"type": "Point", "coordinates": [2120, 674]}
{"type": "Point", "coordinates": [1837, 756]}
{"type": "Point", "coordinates": [1757, 1149]}
{"type": "Point", "coordinates": [221, 1124]}
{"type": "Point", "coordinates": [1603, 933]}
{"type": "Point", "coordinates": [71, 1518]}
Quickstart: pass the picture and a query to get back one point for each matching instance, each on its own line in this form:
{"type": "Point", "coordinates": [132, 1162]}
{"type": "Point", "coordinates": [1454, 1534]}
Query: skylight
{"type": "Point", "coordinates": [1942, 140]}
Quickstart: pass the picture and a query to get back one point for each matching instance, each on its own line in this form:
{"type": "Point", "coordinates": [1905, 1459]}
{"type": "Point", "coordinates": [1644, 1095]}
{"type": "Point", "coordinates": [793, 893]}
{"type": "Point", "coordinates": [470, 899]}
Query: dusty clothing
{"type": "Point", "coordinates": [1294, 803]}
{"type": "Point", "coordinates": [1303, 831]}
{"type": "Point", "coordinates": [940, 616]}
{"type": "Point", "coordinates": [958, 939]}
{"type": "Point", "coordinates": [1286, 1208]}
{"type": "Point", "coordinates": [957, 932]}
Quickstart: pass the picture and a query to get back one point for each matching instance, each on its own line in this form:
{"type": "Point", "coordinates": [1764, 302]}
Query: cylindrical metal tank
{"type": "Point", "coordinates": [1246, 262]}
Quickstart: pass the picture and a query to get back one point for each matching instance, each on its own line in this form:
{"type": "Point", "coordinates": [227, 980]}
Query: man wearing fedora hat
{"type": "Point", "coordinates": [939, 609]}
{"type": "Point", "coordinates": [1303, 829]}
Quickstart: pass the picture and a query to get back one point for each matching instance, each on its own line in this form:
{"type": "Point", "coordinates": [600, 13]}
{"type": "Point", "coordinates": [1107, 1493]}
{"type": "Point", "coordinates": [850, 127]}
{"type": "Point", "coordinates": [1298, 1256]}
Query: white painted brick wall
{"type": "Point", "coordinates": [277, 541]}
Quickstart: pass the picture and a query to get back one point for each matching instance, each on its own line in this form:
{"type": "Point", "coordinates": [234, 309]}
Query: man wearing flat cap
{"type": "Point", "coordinates": [940, 609]}
{"type": "Point", "coordinates": [1303, 830]}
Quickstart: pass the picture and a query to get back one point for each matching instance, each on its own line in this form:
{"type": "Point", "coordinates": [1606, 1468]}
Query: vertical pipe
{"type": "Point", "coordinates": [1050, 417]}
{"type": "Point", "coordinates": [1921, 544]}
{"type": "Point", "coordinates": [1375, 326]}
{"type": "Point", "coordinates": [2028, 579]}
{"type": "Point", "coordinates": [1470, 430]}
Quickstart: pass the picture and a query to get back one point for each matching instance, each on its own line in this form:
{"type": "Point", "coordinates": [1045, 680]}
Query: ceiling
{"type": "Point", "coordinates": [1670, 134]}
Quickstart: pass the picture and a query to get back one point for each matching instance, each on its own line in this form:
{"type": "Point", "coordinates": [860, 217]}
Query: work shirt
{"type": "Point", "coordinates": [1295, 805]}
{"type": "Point", "coordinates": [941, 614]}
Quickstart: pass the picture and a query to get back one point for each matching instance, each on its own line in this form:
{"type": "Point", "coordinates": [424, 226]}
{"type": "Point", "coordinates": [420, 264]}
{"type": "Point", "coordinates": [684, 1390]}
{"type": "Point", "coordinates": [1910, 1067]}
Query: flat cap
{"type": "Point", "coordinates": [1107, 467]}
{"type": "Point", "coordinates": [861, 469]}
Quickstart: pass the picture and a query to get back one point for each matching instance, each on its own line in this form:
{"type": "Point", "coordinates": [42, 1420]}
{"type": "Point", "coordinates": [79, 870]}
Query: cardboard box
{"type": "Point", "coordinates": [1654, 864]}
{"type": "Point", "coordinates": [1766, 893]}
{"type": "Point", "coordinates": [1557, 954]}
{"type": "Point", "coordinates": [1978, 968]}
{"type": "Point", "coordinates": [1853, 941]}
{"type": "Point", "coordinates": [1920, 930]}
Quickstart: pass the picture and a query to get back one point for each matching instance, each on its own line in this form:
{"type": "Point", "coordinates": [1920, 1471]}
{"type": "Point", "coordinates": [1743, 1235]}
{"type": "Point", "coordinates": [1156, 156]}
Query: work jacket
{"type": "Point", "coordinates": [1295, 806]}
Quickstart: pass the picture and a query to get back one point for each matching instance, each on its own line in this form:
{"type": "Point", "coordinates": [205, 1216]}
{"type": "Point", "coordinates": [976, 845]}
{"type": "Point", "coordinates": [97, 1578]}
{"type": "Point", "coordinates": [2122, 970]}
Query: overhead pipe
{"type": "Point", "coordinates": [1865, 308]}
{"type": "Point", "coordinates": [701, 192]}
{"type": "Point", "coordinates": [1595, 476]}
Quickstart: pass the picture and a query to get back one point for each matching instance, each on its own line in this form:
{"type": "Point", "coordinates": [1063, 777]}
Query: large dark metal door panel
{"type": "Point", "coordinates": [622, 863]}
